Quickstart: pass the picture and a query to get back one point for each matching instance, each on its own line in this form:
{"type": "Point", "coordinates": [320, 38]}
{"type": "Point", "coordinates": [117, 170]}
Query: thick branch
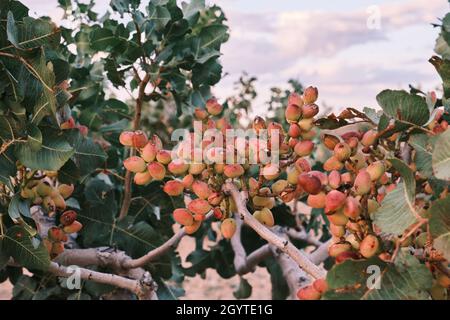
{"type": "Point", "coordinates": [136, 123]}
{"type": "Point", "coordinates": [283, 244]}
{"type": "Point", "coordinates": [321, 253]}
{"type": "Point", "coordinates": [141, 287]}
{"type": "Point", "coordinates": [242, 263]}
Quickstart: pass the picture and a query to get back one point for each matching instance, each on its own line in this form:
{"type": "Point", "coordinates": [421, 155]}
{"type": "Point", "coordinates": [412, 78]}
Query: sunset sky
{"type": "Point", "coordinates": [323, 43]}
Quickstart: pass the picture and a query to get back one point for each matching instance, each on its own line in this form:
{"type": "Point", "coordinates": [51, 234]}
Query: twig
{"type": "Point", "coordinates": [283, 244]}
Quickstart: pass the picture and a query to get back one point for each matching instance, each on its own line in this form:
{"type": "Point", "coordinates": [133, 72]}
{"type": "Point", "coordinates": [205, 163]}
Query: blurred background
{"type": "Point", "coordinates": [350, 49]}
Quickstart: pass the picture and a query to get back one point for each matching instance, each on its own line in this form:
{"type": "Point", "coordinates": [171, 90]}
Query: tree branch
{"type": "Point", "coordinates": [161, 250]}
{"type": "Point", "coordinates": [283, 244]}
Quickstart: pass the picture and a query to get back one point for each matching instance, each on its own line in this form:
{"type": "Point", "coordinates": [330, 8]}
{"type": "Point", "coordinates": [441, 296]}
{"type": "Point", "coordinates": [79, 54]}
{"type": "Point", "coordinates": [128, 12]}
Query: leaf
{"type": "Point", "coordinates": [54, 153]}
{"type": "Point", "coordinates": [208, 73]}
{"type": "Point", "coordinates": [88, 155]}
{"type": "Point", "coordinates": [397, 211]}
{"type": "Point", "coordinates": [19, 245]}
{"type": "Point", "coordinates": [18, 207]}
{"type": "Point", "coordinates": [441, 156]}
{"type": "Point", "coordinates": [191, 10]}
{"type": "Point", "coordinates": [440, 225]}
{"type": "Point", "coordinates": [406, 279]}
{"type": "Point", "coordinates": [7, 166]}
{"type": "Point", "coordinates": [211, 37]}
{"type": "Point", "coordinates": [403, 106]}
{"type": "Point", "coordinates": [244, 290]}
{"type": "Point", "coordinates": [423, 157]}
{"type": "Point", "coordinates": [158, 16]}
{"type": "Point", "coordinates": [34, 138]}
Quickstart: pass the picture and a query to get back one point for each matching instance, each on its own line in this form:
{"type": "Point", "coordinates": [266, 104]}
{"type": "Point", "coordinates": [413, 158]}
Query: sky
{"type": "Point", "coordinates": [350, 49]}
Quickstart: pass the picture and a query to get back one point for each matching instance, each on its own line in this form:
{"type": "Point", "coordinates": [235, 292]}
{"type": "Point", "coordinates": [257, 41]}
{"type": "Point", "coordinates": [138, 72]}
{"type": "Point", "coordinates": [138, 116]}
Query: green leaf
{"type": "Point", "coordinates": [403, 106]}
{"type": "Point", "coordinates": [54, 153]}
{"type": "Point", "coordinates": [88, 155]}
{"type": "Point", "coordinates": [34, 138]}
{"type": "Point", "coordinates": [208, 73]}
{"type": "Point", "coordinates": [440, 225]}
{"type": "Point", "coordinates": [158, 17]}
{"type": "Point", "coordinates": [406, 279]}
{"type": "Point", "coordinates": [397, 211]}
{"type": "Point", "coordinates": [191, 10]}
{"type": "Point", "coordinates": [31, 33]}
{"type": "Point", "coordinates": [213, 36]}
{"type": "Point", "coordinates": [18, 207]}
{"type": "Point", "coordinates": [441, 156]}
{"type": "Point", "coordinates": [19, 245]}
{"type": "Point", "coordinates": [244, 290]}
{"type": "Point", "coordinates": [7, 166]}
{"type": "Point", "coordinates": [423, 156]}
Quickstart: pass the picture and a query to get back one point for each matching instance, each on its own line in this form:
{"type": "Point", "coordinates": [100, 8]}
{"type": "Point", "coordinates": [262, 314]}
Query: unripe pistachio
{"type": "Point", "coordinates": [148, 153]}
{"type": "Point", "coordinates": [215, 198]}
{"type": "Point", "coordinates": [293, 113]}
{"type": "Point", "coordinates": [310, 95]}
{"type": "Point", "coordinates": [306, 124]}
{"type": "Point", "coordinates": [66, 190]}
{"type": "Point", "coordinates": [199, 206]}
{"type": "Point", "coordinates": [308, 293]}
{"type": "Point", "coordinates": [43, 189]}
{"type": "Point", "coordinates": [369, 138]}
{"type": "Point", "coordinates": [142, 178]}
{"type": "Point", "coordinates": [218, 213]}
{"type": "Point", "coordinates": [253, 186]}
{"type": "Point", "coordinates": [178, 167]}
{"type": "Point", "coordinates": [134, 164]}
{"type": "Point", "coordinates": [338, 218]}
{"type": "Point", "coordinates": [333, 164]}
{"type": "Point", "coordinates": [183, 217]}
{"type": "Point", "coordinates": [200, 114]}
{"type": "Point", "coordinates": [308, 135]}
{"type": "Point", "coordinates": [369, 246]}
{"type": "Point", "coordinates": [265, 217]}
{"type": "Point", "coordinates": [330, 141]}
{"type": "Point", "coordinates": [334, 179]}
{"type": "Point", "coordinates": [294, 130]}
{"type": "Point", "coordinates": [173, 188]}
{"type": "Point", "coordinates": [259, 124]}
{"type": "Point", "coordinates": [233, 170]}
{"type": "Point", "coordinates": [335, 200]}
{"type": "Point", "coordinates": [73, 228]}
{"type": "Point", "coordinates": [309, 183]}
{"type": "Point", "coordinates": [68, 217]}
{"type": "Point", "coordinates": [372, 206]}
{"type": "Point", "coordinates": [375, 170]}
{"type": "Point", "coordinates": [262, 202]}
{"type": "Point", "coordinates": [342, 151]}
{"type": "Point", "coordinates": [59, 202]}
{"type": "Point", "coordinates": [320, 285]}
{"type": "Point", "coordinates": [56, 234]}
{"type": "Point", "coordinates": [139, 139]}
{"type": "Point", "coordinates": [157, 170]}
{"type": "Point", "coordinates": [163, 156]}
{"type": "Point", "coordinates": [347, 178]}
{"type": "Point", "coordinates": [310, 110]}
{"type": "Point", "coordinates": [214, 107]}
{"type": "Point", "coordinates": [353, 240]}
{"type": "Point", "coordinates": [287, 196]}
{"type": "Point", "coordinates": [344, 256]}
{"type": "Point", "coordinates": [126, 138]}
{"type": "Point", "coordinates": [304, 148]}
{"type": "Point", "coordinates": [317, 201]}
{"type": "Point", "coordinates": [219, 168]}
{"type": "Point", "coordinates": [57, 248]}
{"type": "Point", "coordinates": [357, 162]}
{"type": "Point", "coordinates": [201, 189]}
{"type": "Point", "coordinates": [323, 178]}
{"type": "Point", "coordinates": [27, 193]}
{"type": "Point", "coordinates": [279, 186]}
{"type": "Point", "coordinates": [362, 183]}
{"type": "Point", "coordinates": [295, 99]}
{"type": "Point", "coordinates": [196, 168]}
{"type": "Point", "coordinates": [352, 208]}
{"type": "Point", "coordinates": [49, 204]}
{"type": "Point", "coordinates": [193, 228]}
{"type": "Point", "coordinates": [271, 171]}
{"type": "Point", "coordinates": [302, 165]}
{"type": "Point", "coordinates": [337, 231]}
{"type": "Point", "coordinates": [228, 228]}
{"type": "Point", "coordinates": [337, 248]}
